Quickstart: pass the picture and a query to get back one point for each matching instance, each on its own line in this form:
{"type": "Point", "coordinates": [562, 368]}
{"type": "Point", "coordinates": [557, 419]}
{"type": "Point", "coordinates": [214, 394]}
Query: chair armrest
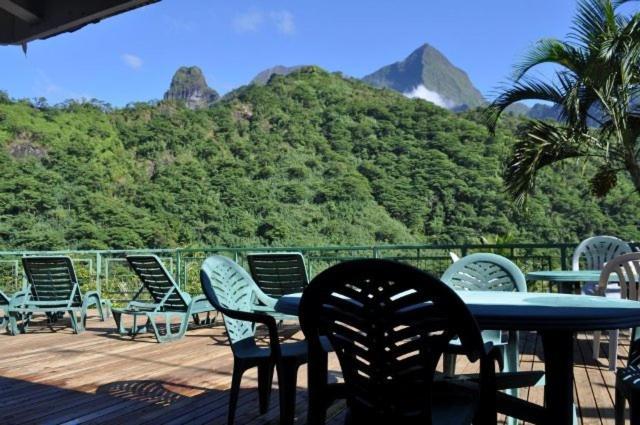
{"type": "Point", "coordinates": [263, 319]}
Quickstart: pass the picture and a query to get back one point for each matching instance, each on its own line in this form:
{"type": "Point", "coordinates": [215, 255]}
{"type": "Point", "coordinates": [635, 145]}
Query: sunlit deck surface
{"type": "Point", "coordinates": [52, 377]}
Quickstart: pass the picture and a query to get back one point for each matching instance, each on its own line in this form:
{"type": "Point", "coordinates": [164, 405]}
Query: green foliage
{"type": "Point", "coordinates": [307, 159]}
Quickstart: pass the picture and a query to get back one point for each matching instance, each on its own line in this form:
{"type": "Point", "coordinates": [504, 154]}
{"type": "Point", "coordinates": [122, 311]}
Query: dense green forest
{"type": "Point", "coordinates": [307, 159]}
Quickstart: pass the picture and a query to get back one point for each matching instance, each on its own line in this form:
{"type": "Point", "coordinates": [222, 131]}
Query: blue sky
{"type": "Point", "coordinates": [132, 57]}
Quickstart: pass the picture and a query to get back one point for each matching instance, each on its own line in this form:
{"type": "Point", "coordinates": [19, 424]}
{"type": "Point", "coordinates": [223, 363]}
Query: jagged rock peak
{"type": "Point", "coordinates": [188, 85]}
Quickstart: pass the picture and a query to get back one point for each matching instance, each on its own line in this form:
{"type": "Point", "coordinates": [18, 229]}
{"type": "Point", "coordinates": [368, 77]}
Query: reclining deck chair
{"type": "Point", "coordinates": [52, 289]}
{"type": "Point", "coordinates": [4, 306]}
{"type": "Point", "coordinates": [167, 302]}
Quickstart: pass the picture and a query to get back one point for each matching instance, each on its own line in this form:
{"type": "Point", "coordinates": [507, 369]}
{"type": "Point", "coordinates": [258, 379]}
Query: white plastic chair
{"type": "Point", "coordinates": [597, 250]}
{"type": "Point", "coordinates": [627, 269]}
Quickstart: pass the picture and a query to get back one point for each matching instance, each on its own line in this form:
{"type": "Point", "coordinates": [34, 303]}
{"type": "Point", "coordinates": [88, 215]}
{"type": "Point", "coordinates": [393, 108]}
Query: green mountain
{"type": "Point", "coordinates": [310, 158]}
{"type": "Point", "coordinates": [189, 86]}
{"type": "Point", "coordinates": [263, 77]}
{"type": "Point", "coordinates": [427, 74]}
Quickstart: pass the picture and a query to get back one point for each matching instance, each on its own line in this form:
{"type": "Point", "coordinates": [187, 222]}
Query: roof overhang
{"type": "Point", "coordinates": [22, 21]}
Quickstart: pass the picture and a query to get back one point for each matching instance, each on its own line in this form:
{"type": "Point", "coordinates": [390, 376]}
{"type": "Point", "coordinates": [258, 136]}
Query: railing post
{"type": "Point", "coordinates": [563, 258]}
{"type": "Point", "coordinates": [178, 273]}
{"type": "Point", "coordinates": [464, 249]}
{"type": "Point", "coordinates": [98, 270]}
{"type": "Point", "coordinates": [376, 253]}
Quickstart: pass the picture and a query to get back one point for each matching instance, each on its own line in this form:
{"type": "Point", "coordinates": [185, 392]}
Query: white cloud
{"type": "Point", "coordinates": [421, 92]}
{"type": "Point", "coordinates": [132, 61]}
{"type": "Point", "coordinates": [254, 20]}
{"type": "Point", "coordinates": [283, 21]}
{"type": "Point", "coordinates": [248, 22]}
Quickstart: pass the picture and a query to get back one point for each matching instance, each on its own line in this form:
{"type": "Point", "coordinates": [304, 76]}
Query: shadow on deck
{"type": "Point", "coordinates": [99, 377]}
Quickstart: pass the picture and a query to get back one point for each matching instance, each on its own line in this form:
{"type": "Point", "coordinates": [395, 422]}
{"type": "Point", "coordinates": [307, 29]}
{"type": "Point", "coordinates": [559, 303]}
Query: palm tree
{"type": "Point", "coordinates": [597, 79]}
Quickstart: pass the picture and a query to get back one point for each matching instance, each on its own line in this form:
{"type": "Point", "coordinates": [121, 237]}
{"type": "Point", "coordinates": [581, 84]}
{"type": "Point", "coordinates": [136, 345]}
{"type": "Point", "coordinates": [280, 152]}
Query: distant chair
{"type": "Point", "coordinates": [628, 385]}
{"type": "Point", "coordinates": [168, 301]}
{"type": "Point", "coordinates": [389, 324]}
{"type": "Point", "coordinates": [278, 273]}
{"type": "Point", "coordinates": [52, 289]}
{"type": "Point", "coordinates": [594, 252]}
{"type": "Point", "coordinates": [487, 272]}
{"type": "Point", "coordinates": [233, 292]}
{"type": "Point", "coordinates": [626, 267]}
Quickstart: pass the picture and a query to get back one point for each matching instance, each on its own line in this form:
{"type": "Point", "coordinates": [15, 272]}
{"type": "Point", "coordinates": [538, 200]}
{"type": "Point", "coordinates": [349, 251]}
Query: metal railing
{"type": "Point", "coordinates": [107, 271]}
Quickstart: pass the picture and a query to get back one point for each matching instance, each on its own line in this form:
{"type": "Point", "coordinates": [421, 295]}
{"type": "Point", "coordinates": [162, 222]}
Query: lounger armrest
{"type": "Point", "coordinates": [90, 298]}
{"type": "Point", "coordinates": [139, 306]}
{"type": "Point", "coordinates": [201, 303]}
{"type": "Point", "coordinates": [18, 299]}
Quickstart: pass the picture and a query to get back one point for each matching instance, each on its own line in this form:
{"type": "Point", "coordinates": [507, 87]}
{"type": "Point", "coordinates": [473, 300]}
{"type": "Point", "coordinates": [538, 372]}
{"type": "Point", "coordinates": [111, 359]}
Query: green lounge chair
{"type": "Point", "coordinates": [4, 306]}
{"type": "Point", "coordinates": [167, 302]}
{"type": "Point", "coordinates": [278, 273]}
{"type": "Point", "coordinates": [52, 289]}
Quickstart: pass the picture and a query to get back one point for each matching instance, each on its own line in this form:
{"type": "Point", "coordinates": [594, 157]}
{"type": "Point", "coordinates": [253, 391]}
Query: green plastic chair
{"type": "Point", "coordinates": [278, 273]}
{"type": "Point", "coordinates": [234, 293]}
{"type": "Point", "coordinates": [4, 306]}
{"type": "Point", "coordinates": [167, 302]}
{"type": "Point", "coordinates": [52, 289]}
{"type": "Point", "coordinates": [487, 272]}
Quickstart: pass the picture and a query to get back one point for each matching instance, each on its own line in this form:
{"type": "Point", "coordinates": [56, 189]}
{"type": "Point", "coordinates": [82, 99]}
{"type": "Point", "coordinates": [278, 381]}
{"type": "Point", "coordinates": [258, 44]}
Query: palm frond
{"type": "Point", "coordinates": [593, 19]}
{"type": "Point", "coordinates": [551, 51]}
{"type": "Point", "coordinates": [540, 144]}
{"type": "Point", "coordinates": [525, 89]}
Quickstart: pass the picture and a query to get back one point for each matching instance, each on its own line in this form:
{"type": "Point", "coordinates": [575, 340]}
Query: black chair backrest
{"type": "Point", "coordinates": [278, 273]}
{"type": "Point", "coordinates": [389, 324]}
{"type": "Point", "coordinates": [158, 282]}
{"type": "Point", "coordinates": [51, 279]}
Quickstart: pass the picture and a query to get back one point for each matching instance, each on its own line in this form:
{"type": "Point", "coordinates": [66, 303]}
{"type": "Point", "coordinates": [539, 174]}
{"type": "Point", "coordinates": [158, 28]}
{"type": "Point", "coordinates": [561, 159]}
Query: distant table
{"type": "Point", "coordinates": [568, 277]}
{"type": "Point", "coordinates": [556, 317]}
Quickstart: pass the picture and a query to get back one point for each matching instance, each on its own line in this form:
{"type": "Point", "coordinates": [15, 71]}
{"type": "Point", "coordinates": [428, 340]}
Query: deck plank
{"type": "Point", "coordinates": [53, 376]}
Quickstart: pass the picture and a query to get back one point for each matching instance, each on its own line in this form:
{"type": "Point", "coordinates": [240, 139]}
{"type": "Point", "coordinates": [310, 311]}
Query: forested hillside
{"type": "Point", "coordinates": [310, 158]}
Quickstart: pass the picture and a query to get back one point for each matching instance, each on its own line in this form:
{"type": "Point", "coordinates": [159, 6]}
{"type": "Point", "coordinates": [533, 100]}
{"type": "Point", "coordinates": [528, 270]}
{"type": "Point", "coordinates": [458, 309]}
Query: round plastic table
{"type": "Point", "coordinates": [573, 278]}
{"type": "Point", "coordinates": [556, 317]}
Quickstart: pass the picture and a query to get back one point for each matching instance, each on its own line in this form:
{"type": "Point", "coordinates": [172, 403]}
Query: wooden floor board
{"type": "Point", "coordinates": [98, 377]}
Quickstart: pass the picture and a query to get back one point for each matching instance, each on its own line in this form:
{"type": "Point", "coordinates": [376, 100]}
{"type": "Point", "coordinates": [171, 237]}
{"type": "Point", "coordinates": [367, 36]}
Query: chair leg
{"type": "Point", "coordinates": [596, 345]}
{"type": "Point", "coordinates": [287, 377]}
{"type": "Point", "coordinates": [619, 406]}
{"type": "Point", "coordinates": [238, 370]}
{"type": "Point", "coordinates": [511, 354]}
{"type": "Point", "coordinates": [449, 364]}
{"type": "Point", "coordinates": [613, 349]}
{"type": "Point", "coordinates": [265, 380]}
{"type": "Point", "coordinates": [77, 325]}
{"type": "Point", "coordinates": [634, 409]}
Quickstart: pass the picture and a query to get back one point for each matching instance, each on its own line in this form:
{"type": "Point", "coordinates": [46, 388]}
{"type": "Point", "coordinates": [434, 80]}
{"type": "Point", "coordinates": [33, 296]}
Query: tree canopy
{"type": "Point", "coordinates": [307, 159]}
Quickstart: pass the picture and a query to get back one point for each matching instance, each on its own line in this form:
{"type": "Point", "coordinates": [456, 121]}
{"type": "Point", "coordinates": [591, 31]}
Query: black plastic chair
{"type": "Point", "coordinates": [389, 324]}
{"type": "Point", "coordinates": [230, 289]}
{"type": "Point", "coordinates": [628, 385]}
{"type": "Point", "coordinates": [278, 273]}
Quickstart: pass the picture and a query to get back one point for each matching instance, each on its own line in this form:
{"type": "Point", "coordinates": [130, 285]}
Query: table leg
{"type": "Point", "coordinates": [558, 363]}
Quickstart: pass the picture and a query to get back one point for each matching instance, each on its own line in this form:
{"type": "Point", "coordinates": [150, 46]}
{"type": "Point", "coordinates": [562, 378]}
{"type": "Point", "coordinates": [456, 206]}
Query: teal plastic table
{"type": "Point", "coordinates": [568, 277]}
{"type": "Point", "coordinates": [556, 317]}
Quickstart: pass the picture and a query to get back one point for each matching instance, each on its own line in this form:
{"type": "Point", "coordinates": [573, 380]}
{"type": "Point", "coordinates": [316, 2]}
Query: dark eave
{"type": "Point", "coordinates": [22, 21]}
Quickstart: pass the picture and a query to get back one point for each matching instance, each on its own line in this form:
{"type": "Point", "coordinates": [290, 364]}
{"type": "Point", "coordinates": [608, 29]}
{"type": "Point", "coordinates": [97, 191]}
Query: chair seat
{"type": "Point", "coordinates": [628, 378]}
{"type": "Point", "coordinates": [288, 349]}
{"type": "Point", "coordinates": [452, 404]}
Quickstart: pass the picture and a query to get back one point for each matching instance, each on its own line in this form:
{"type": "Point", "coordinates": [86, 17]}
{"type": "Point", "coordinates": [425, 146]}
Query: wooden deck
{"type": "Point", "coordinates": [53, 376]}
